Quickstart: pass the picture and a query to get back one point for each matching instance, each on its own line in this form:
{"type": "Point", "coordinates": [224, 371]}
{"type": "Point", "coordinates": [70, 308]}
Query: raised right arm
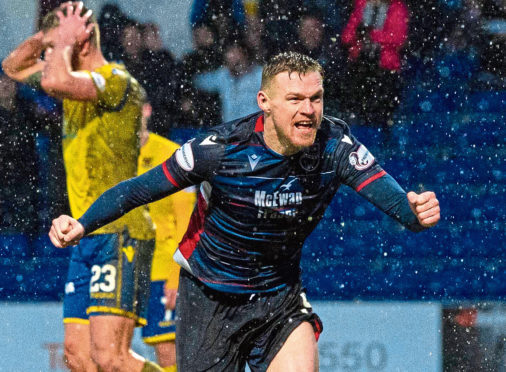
{"type": "Point", "coordinates": [24, 61]}
{"type": "Point", "coordinates": [111, 205]}
{"type": "Point", "coordinates": [125, 196]}
{"type": "Point", "coordinates": [192, 163]}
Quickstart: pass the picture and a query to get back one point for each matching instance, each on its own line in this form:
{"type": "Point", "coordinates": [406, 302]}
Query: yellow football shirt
{"type": "Point", "coordinates": [101, 145]}
{"type": "Point", "coordinates": [170, 215]}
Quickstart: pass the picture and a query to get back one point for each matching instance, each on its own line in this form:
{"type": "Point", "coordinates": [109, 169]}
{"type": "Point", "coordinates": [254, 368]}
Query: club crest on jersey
{"type": "Point", "coordinates": [362, 158]}
{"type": "Point", "coordinates": [310, 159]}
{"type": "Point", "coordinates": [184, 156]}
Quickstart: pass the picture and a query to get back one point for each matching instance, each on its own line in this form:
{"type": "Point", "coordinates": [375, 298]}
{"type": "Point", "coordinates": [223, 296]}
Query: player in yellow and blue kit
{"type": "Point", "coordinates": [108, 281]}
{"type": "Point", "coordinates": [170, 216]}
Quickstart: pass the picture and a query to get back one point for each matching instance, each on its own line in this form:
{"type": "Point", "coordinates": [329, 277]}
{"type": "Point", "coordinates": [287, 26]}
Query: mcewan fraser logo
{"type": "Point", "coordinates": [184, 156]}
{"type": "Point", "coordinates": [279, 204]}
{"type": "Point", "coordinates": [277, 199]}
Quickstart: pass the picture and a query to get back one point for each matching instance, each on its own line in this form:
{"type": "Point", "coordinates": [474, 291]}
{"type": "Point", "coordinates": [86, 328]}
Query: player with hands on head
{"type": "Point", "coordinates": [108, 279]}
{"type": "Point", "coordinates": [265, 182]}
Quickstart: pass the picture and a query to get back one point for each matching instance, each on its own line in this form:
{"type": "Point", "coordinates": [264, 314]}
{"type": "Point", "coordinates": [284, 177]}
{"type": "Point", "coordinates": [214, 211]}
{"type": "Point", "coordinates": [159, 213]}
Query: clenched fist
{"type": "Point", "coordinates": [65, 231]}
{"type": "Point", "coordinates": [425, 206]}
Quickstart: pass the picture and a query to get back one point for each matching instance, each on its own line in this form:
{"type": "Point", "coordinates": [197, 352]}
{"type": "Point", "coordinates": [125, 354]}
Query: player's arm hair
{"type": "Point", "coordinates": [23, 64]}
{"type": "Point", "coordinates": [386, 194]}
{"type": "Point", "coordinates": [125, 196]}
{"type": "Point", "coordinates": [61, 81]}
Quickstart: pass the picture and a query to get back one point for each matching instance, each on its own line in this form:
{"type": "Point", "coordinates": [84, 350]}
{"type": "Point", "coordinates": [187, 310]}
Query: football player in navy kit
{"type": "Point", "coordinates": [265, 182]}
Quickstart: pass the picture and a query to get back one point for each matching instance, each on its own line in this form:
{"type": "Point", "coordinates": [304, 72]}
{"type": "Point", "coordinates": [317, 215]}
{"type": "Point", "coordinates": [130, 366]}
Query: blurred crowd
{"type": "Point", "coordinates": [370, 51]}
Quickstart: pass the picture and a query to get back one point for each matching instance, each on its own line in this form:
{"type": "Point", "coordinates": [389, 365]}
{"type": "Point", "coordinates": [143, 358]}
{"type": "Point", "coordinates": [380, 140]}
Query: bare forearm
{"type": "Point", "coordinates": [58, 69]}
{"type": "Point", "coordinates": [24, 58]}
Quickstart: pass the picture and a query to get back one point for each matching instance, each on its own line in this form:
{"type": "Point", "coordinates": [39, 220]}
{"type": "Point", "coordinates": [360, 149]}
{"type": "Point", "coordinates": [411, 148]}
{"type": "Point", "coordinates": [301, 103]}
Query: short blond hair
{"type": "Point", "coordinates": [291, 62]}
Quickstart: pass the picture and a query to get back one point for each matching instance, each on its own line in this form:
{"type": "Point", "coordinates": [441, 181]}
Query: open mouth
{"type": "Point", "coordinates": [304, 125]}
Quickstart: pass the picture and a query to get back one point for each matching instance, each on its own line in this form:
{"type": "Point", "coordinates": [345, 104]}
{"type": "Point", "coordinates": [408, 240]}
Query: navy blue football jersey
{"type": "Point", "coordinates": [255, 207]}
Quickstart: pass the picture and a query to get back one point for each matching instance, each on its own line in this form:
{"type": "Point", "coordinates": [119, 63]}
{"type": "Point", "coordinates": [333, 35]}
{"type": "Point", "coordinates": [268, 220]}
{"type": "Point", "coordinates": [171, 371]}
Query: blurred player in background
{"type": "Point", "coordinates": [265, 182]}
{"type": "Point", "coordinates": [170, 216]}
{"type": "Point", "coordinates": [108, 280]}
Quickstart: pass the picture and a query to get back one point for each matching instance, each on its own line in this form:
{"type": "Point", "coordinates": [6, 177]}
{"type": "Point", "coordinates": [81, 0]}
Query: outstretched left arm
{"type": "Point", "coordinates": [415, 211]}
{"type": "Point", "coordinates": [359, 170]}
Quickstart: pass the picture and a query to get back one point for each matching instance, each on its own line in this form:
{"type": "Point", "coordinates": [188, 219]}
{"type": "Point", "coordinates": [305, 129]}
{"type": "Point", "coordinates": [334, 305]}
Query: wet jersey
{"type": "Point", "coordinates": [101, 145]}
{"type": "Point", "coordinates": [256, 207]}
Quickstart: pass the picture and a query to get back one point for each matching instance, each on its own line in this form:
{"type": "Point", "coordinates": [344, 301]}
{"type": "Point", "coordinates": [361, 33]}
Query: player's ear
{"type": "Point", "coordinates": [85, 48]}
{"type": "Point", "coordinates": [263, 101]}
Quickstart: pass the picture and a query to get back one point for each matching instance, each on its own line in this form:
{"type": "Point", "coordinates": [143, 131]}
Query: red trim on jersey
{"type": "Point", "coordinates": [195, 228]}
{"type": "Point", "coordinates": [237, 204]}
{"type": "Point", "coordinates": [169, 176]}
{"type": "Point", "coordinates": [318, 330]}
{"type": "Point", "coordinates": [371, 179]}
{"type": "Point", "coordinates": [259, 125]}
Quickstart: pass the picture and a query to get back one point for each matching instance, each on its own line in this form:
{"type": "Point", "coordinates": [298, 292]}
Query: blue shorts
{"type": "Point", "coordinates": [161, 323]}
{"type": "Point", "coordinates": [109, 274]}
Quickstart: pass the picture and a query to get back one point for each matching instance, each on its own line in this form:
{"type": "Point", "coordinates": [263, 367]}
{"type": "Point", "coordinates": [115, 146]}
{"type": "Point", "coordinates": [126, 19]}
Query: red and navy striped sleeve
{"type": "Point", "coordinates": [191, 164]}
{"type": "Point", "coordinates": [358, 169]}
{"type": "Point", "coordinates": [196, 161]}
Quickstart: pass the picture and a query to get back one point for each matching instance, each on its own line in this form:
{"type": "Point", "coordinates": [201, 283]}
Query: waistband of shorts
{"type": "Point", "coordinates": [237, 298]}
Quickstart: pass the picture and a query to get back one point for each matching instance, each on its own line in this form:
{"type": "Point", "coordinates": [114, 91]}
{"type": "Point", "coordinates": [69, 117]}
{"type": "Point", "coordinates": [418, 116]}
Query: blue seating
{"type": "Point", "coordinates": [494, 101]}
{"type": "Point", "coordinates": [45, 278]}
{"type": "Point", "coordinates": [15, 245]}
{"type": "Point", "coordinates": [42, 247]}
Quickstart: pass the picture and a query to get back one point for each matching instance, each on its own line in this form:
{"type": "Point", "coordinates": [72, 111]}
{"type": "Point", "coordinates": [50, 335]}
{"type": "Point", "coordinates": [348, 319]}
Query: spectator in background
{"type": "Point", "coordinates": [236, 83]}
{"type": "Point", "coordinates": [313, 41]}
{"type": "Point", "coordinates": [160, 77]}
{"type": "Point", "coordinates": [428, 28]}
{"type": "Point", "coordinates": [280, 18]}
{"type": "Point", "coordinates": [253, 35]}
{"type": "Point", "coordinates": [311, 34]}
{"type": "Point", "coordinates": [17, 151]}
{"type": "Point", "coordinates": [198, 108]}
{"type": "Point", "coordinates": [132, 45]}
{"type": "Point", "coordinates": [375, 35]}
{"type": "Point", "coordinates": [226, 16]}
{"type": "Point", "coordinates": [111, 22]}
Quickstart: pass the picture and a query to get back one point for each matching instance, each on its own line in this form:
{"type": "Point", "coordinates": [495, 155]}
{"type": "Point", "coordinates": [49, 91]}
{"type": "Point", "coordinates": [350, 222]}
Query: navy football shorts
{"type": "Point", "coordinates": [220, 331]}
{"type": "Point", "coordinates": [109, 274]}
{"type": "Point", "coordinates": [161, 322]}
